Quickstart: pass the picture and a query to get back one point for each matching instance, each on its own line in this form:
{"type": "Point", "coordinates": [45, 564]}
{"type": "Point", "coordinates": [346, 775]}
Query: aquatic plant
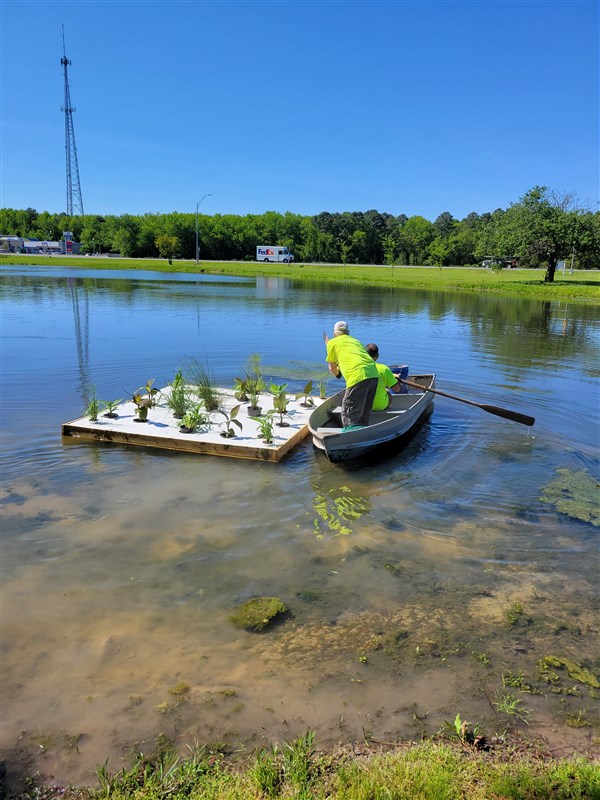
{"type": "Point", "coordinates": [322, 386]}
{"type": "Point", "coordinates": [512, 706]}
{"type": "Point", "coordinates": [178, 398]}
{"type": "Point", "coordinates": [305, 393]}
{"type": "Point", "coordinates": [144, 399]}
{"type": "Point", "coordinates": [204, 385]}
{"type": "Point", "coordinates": [193, 419]}
{"type": "Point", "coordinates": [93, 407]}
{"type": "Point", "coordinates": [230, 419]}
{"type": "Point", "coordinates": [574, 494]}
{"type": "Point", "coordinates": [110, 407]}
{"type": "Point", "coordinates": [514, 614]}
{"type": "Point", "coordinates": [180, 689]}
{"type": "Point", "coordinates": [258, 612]}
{"type": "Point", "coordinates": [579, 720]}
{"type": "Point", "coordinates": [240, 389]}
{"type": "Point", "coordinates": [467, 734]}
{"type": "Point", "coordinates": [255, 383]}
{"type": "Point", "coordinates": [280, 401]}
{"type": "Point", "coordinates": [574, 670]}
{"type": "Point", "coordinates": [265, 426]}
{"type": "Point", "coordinates": [333, 511]}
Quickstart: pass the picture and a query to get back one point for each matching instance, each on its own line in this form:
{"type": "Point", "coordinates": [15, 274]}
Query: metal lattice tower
{"type": "Point", "coordinates": [74, 198]}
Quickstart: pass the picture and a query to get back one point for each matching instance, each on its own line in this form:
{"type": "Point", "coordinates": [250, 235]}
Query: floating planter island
{"type": "Point", "coordinates": [161, 430]}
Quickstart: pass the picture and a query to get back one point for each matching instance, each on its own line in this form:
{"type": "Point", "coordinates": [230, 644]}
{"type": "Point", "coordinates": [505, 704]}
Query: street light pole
{"type": "Point", "coordinates": [198, 204]}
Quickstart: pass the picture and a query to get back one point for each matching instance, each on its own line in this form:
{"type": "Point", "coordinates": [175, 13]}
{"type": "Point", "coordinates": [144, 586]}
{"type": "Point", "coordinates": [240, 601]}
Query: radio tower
{"type": "Point", "coordinates": [74, 199]}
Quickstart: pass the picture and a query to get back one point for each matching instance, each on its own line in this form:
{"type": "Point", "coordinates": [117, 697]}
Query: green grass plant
{"type": "Point", "coordinates": [581, 286]}
{"type": "Point", "coordinates": [92, 408]}
{"type": "Point", "coordinates": [297, 771]}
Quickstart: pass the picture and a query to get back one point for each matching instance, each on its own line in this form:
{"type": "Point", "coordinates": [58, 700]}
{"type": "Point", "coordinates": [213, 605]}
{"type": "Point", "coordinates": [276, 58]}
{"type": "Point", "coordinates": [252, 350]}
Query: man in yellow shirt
{"type": "Point", "coordinates": [387, 380]}
{"type": "Point", "coordinates": [347, 356]}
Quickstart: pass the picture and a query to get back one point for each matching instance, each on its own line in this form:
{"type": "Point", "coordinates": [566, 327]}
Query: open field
{"type": "Point", "coordinates": [581, 286]}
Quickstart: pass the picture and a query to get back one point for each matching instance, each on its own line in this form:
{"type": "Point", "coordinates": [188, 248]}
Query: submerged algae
{"type": "Point", "coordinates": [575, 494]}
{"type": "Point", "coordinates": [257, 613]}
{"type": "Point", "coordinates": [575, 671]}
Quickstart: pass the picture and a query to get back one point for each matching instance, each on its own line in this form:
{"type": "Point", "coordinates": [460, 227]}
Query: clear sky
{"type": "Point", "coordinates": [302, 106]}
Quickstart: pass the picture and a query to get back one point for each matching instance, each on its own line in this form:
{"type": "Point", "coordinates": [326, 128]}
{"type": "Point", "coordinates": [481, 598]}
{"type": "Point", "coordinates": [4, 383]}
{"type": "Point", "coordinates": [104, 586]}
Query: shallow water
{"type": "Point", "coordinates": [121, 567]}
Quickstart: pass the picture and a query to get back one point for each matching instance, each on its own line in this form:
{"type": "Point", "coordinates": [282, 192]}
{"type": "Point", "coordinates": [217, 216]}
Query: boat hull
{"type": "Point", "coordinates": [401, 416]}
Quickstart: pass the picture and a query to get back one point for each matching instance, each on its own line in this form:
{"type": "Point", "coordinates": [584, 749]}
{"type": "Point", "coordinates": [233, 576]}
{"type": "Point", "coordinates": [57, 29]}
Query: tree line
{"type": "Point", "coordinates": [538, 230]}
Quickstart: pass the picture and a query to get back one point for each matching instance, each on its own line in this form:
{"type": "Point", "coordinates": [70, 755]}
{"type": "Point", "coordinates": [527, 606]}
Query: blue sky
{"type": "Point", "coordinates": [404, 107]}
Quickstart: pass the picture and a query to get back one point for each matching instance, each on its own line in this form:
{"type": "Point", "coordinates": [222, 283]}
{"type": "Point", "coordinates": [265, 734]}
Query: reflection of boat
{"type": "Point", "coordinates": [402, 414]}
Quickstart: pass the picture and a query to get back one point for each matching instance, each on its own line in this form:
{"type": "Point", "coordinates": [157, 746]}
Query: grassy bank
{"type": "Point", "coordinates": [581, 286]}
{"type": "Point", "coordinates": [296, 770]}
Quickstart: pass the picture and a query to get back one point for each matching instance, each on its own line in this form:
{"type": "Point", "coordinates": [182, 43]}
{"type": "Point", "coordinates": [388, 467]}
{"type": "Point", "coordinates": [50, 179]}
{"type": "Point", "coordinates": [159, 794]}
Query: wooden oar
{"type": "Point", "coordinates": [499, 412]}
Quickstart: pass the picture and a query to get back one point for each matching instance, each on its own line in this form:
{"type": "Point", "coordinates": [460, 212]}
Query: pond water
{"type": "Point", "coordinates": [422, 582]}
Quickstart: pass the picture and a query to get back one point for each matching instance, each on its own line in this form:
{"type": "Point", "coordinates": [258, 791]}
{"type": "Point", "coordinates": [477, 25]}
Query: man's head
{"type": "Point", "coordinates": [340, 328]}
{"type": "Point", "coordinates": [373, 351]}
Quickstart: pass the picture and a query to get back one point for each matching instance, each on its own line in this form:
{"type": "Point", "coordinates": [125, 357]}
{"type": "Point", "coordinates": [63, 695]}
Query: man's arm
{"type": "Point", "coordinates": [396, 387]}
{"type": "Point", "coordinates": [334, 369]}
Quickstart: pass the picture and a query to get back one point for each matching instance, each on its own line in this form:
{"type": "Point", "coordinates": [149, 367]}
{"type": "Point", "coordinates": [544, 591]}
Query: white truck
{"type": "Point", "coordinates": [266, 252]}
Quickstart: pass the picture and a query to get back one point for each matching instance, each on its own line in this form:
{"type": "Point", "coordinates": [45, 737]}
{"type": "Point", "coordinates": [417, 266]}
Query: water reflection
{"type": "Point", "coordinates": [404, 572]}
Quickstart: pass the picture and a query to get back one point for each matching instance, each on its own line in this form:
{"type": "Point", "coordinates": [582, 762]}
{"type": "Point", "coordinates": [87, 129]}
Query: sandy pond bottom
{"type": "Point", "coordinates": [116, 629]}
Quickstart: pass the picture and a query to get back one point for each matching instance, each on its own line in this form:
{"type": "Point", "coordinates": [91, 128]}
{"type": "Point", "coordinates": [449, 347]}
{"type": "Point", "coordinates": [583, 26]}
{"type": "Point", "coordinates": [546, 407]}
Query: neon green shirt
{"type": "Point", "coordinates": [386, 379]}
{"type": "Point", "coordinates": [351, 357]}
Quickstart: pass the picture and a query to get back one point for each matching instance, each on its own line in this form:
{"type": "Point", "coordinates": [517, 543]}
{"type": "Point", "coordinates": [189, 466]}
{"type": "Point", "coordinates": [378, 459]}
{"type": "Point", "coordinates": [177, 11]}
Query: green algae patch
{"type": "Point", "coordinates": [576, 672]}
{"type": "Point", "coordinates": [335, 509]}
{"type": "Point", "coordinates": [575, 494]}
{"type": "Point", "coordinates": [257, 613]}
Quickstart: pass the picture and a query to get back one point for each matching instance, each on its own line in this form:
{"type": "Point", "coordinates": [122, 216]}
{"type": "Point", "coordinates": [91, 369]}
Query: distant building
{"type": "Point", "coordinates": [18, 244]}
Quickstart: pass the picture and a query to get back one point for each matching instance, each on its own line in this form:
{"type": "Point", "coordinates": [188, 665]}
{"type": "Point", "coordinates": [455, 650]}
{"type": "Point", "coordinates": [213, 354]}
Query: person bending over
{"type": "Point", "coordinates": [347, 356]}
{"type": "Point", "coordinates": [387, 380]}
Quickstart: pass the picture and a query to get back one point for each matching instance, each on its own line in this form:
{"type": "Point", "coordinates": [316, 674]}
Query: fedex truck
{"type": "Point", "coordinates": [265, 252]}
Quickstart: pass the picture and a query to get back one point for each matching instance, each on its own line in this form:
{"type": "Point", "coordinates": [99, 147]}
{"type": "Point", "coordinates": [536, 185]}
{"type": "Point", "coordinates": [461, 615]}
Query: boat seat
{"type": "Point", "coordinates": [374, 414]}
{"type": "Point", "coordinates": [338, 410]}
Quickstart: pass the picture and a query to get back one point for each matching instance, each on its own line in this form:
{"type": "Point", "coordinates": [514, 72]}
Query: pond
{"type": "Point", "coordinates": [442, 578]}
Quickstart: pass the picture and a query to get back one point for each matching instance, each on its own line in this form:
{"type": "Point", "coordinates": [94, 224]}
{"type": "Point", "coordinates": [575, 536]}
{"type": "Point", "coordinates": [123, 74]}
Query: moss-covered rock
{"type": "Point", "coordinates": [575, 494]}
{"type": "Point", "coordinates": [257, 613]}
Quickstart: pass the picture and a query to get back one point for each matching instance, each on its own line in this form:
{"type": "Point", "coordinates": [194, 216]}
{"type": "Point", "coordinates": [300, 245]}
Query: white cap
{"type": "Point", "coordinates": [341, 327]}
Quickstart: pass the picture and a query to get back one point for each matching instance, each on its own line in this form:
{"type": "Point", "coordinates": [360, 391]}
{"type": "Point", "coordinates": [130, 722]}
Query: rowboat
{"type": "Point", "coordinates": [402, 414]}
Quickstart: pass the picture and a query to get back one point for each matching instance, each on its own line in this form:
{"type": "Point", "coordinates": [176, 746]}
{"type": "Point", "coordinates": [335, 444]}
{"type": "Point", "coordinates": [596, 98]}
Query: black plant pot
{"type": "Point", "coordinates": [254, 411]}
{"type": "Point", "coordinates": [183, 429]}
{"type": "Point", "coordinates": [137, 419]}
{"type": "Point", "coordinates": [227, 435]}
{"type": "Point", "coordinates": [111, 415]}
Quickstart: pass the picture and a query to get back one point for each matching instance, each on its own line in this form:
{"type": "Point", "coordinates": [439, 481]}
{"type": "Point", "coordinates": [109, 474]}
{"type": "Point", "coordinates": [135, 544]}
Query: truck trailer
{"type": "Point", "coordinates": [266, 252]}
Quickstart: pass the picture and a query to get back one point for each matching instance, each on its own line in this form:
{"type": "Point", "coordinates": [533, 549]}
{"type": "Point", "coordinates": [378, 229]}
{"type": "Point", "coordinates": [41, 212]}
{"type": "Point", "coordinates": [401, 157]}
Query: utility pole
{"type": "Point", "coordinates": [74, 199]}
{"type": "Point", "coordinates": [198, 204]}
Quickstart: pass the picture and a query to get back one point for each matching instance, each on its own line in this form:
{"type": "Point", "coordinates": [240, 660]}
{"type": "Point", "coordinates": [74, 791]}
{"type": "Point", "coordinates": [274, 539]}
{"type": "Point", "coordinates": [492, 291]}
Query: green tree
{"type": "Point", "coordinates": [439, 251]}
{"type": "Point", "coordinates": [415, 236]}
{"type": "Point", "coordinates": [389, 249]}
{"type": "Point", "coordinates": [168, 246]}
{"type": "Point", "coordinates": [543, 227]}
{"type": "Point", "coordinates": [444, 225]}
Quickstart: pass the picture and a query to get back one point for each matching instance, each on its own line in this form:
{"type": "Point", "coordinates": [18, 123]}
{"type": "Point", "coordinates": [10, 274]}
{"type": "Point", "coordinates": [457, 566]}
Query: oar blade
{"type": "Point", "coordinates": [505, 413]}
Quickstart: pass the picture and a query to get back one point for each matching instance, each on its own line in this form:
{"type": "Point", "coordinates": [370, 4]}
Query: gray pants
{"type": "Point", "coordinates": [358, 402]}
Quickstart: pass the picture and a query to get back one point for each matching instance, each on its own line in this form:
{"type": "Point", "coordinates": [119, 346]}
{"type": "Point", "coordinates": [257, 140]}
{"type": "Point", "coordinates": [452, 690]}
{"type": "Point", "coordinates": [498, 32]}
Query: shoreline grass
{"type": "Point", "coordinates": [296, 770]}
{"type": "Point", "coordinates": [582, 286]}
